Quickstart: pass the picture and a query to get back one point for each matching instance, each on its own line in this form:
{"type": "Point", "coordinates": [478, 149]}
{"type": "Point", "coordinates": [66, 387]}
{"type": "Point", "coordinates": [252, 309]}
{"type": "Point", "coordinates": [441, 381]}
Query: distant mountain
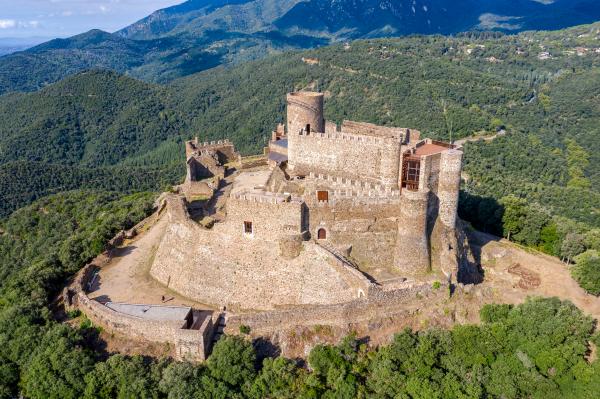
{"type": "Point", "coordinates": [352, 19]}
{"type": "Point", "coordinates": [13, 44]}
{"type": "Point", "coordinates": [201, 34]}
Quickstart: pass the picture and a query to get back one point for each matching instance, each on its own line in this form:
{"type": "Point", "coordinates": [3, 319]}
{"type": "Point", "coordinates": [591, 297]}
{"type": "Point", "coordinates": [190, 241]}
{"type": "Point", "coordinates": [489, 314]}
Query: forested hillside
{"type": "Point", "coordinates": [117, 138]}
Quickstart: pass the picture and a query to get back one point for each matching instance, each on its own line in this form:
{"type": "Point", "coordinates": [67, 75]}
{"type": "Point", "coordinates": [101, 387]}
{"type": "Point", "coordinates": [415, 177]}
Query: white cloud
{"type": "Point", "coordinates": [7, 23]}
{"type": "Point", "coordinates": [494, 21]}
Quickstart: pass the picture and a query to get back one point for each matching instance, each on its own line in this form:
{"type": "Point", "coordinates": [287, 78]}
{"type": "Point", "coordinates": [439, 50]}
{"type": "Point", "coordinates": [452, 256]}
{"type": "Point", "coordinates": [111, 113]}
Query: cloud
{"type": "Point", "coordinates": [7, 23]}
{"type": "Point", "coordinates": [52, 18]}
{"type": "Point", "coordinates": [545, 2]}
{"type": "Point", "coordinates": [493, 21]}
{"type": "Point", "coordinates": [11, 24]}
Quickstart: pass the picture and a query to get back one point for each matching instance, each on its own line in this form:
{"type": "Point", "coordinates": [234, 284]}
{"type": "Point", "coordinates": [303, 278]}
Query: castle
{"type": "Point", "coordinates": [332, 225]}
{"type": "Point", "coordinates": [380, 201]}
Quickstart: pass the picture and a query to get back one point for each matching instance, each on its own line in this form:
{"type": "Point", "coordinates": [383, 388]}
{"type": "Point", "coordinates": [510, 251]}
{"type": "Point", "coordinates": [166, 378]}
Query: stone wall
{"type": "Point", "coordinates": [412, 255]}
{"type": "Point", "coordinates": [360, 157]}
{"type": "Point", "coordinates": [377, 303]}
{"type": "Point", "coordinates": [449, 186]}
{"type": "Point", "coordinates": [220, 269]}
{"type": "Point", "coordinates": [190, 344]}
{"type": "Point", "coordinates": [272, 215]}
{"type": "Point", "coordinates": [224, 148]}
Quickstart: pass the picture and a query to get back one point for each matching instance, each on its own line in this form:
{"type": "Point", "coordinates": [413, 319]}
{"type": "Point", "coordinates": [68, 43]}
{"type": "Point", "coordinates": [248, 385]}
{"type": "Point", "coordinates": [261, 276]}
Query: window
{"type": "Point", "coordinates": [248, 228]}
{"type": "Point", "coordinates": [323, 196]}
{"type": "Point", "coordinates": [322, 234]}
{"type": "Point", "coordinates": [307, 129]}
{"type": "Point", "coordinates": [411, 173]}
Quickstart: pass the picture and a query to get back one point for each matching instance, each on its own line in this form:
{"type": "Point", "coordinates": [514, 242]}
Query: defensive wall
{"type": "Point", "coordinates": [377, 303]}
{"type": "Point", "coordinates": [191, 341]}
{"type": "Point", "coordinates": [236, 271]}
{"type": "Point", "coordinates": [366, 158]}
{"type": "Point", "coordinates": [270, 215]}
{"type": "Point", "coordinates": [357, 150]}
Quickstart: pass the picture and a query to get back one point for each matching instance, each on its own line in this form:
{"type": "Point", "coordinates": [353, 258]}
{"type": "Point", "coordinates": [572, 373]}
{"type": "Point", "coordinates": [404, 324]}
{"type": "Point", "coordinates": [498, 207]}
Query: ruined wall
{"type": "Point", "coordinates": [272, 215]}
{"type": "Point", "coordinates": [224, 148]}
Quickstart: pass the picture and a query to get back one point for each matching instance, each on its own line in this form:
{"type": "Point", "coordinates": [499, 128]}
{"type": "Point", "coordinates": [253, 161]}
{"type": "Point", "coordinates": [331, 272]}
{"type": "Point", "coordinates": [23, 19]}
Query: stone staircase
{"type": "Point", "coordinates": [337, 254]}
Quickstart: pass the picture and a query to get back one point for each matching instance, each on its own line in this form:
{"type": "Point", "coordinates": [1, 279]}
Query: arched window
{"type": "Point", "coordinates": [322, 234]}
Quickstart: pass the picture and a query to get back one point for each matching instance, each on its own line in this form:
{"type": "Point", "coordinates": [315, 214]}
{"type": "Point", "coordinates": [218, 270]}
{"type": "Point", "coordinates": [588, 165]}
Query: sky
{"type": "Point", "coordinates": [63, 18]}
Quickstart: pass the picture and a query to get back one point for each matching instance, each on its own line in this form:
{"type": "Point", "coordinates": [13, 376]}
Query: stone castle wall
{"type": "Point", "coordinates": [220, 269]}
{"type": "Point", "coordinates": [359, 151]}
{"type": "Point", "coordinates": [272, 215]}
{"type": "Point", "coordinates": [224, 148]}
{"type": "Point", "coordinates": [449, 186]}
{"type": "Point", "coordinates": [412, 246]}
{"type": "Point", "coordinates": [189, 344]}
{"type": "Point", "coordinates": [358, 157]}
{"type": "Point", "coordinates": [377, 303]}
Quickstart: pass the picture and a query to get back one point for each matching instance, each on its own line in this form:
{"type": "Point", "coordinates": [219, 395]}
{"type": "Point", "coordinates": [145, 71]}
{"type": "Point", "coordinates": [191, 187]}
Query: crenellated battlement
{"type": "Point", "coordinates": [265, 197]}
{"type": "Point", "coordinates": [352, 137]}
{"type": "Point", "coordinates": [196, 145]}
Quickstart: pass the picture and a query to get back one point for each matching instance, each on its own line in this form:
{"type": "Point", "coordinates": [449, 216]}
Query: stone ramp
{"type": "Point", "coordinates": [337, 254]}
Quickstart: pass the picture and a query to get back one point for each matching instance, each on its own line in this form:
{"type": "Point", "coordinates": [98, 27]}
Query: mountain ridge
{"type": "Point", "coordinates": [201, 34]}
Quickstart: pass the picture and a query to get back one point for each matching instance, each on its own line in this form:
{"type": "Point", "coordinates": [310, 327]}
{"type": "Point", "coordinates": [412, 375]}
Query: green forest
{"type": "Point", "coordinates": [536, 349]}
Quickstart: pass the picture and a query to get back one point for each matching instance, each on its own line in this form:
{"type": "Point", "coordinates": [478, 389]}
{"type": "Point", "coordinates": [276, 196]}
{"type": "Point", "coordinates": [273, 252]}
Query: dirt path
{"type": "Point", "coordinates": [462, 141]}
{"type": "Point", "coordinates": [514, 273]}
{"type": "Point", "coordinates": [126, 278]}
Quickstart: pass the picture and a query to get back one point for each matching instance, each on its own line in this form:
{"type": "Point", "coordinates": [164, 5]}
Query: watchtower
{"type": "Point", "coordinates": [449, 186]}
{"type": "Point", "coordinates": [304, 117]}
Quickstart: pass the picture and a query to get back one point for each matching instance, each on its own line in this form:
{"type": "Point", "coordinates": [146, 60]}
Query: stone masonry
{"type": "Point", "coordinates": [319, 229]}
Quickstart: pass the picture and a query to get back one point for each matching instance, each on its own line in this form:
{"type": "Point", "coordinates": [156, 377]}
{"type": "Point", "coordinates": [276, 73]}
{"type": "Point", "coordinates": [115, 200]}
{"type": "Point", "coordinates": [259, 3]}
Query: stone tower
{"type": "Point", "coordinates": [449, 187]}
{"type": "Point", "coordinates": [304, 116]}
{"type": "Point", "coordinates": [412, 244]}
{"type": "Point", "coordinates": [444, 236]}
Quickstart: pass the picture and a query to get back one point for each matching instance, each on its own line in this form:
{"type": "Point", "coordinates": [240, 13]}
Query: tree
{"type": "Point", "coordinates": [279, 378]}
{"type": "Point", "coordinates": [587, 273]}
{"type": "Point", "coordinates": [181, 380]}
{"type": "Point", "coordinates": [9, 376]}
{"type": "Point", "coordinates": [121, 377]}
{"type": "Point", "coordinates": [58, 367]}
{"type": "Point", "coordinates": [515, 212]}
{"type": "Point", "coordinates": [572, 245]}
{"type": "Point", "coordinates": [232, 361]}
